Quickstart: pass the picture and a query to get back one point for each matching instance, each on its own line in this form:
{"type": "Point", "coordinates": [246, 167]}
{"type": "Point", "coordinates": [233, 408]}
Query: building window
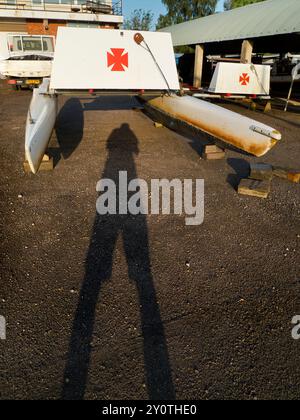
{"type": "Point", "coordinates": [59, 2]}
{"type": "Point", "coordinates": [77, 24]}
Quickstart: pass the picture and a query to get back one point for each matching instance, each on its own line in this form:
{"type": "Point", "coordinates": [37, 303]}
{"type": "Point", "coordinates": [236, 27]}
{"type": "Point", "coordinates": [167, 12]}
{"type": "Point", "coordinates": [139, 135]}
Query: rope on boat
{"type": "Point", "coordinates": [139, 39]}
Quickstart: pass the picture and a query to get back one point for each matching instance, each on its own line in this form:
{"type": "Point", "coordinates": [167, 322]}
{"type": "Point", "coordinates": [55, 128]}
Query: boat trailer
{"type": "Point", "coordinates": [97, 62]}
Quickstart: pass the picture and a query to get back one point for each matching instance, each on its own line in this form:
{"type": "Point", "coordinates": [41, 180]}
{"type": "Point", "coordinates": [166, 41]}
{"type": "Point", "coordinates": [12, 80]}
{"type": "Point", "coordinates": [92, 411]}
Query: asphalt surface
{"type": "Point", "coordinates": [144, 307]}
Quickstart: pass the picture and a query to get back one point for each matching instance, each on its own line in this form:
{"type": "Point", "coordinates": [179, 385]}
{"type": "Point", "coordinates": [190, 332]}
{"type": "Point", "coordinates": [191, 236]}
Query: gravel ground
{"type": "Point", "coordinates": [144, 307]}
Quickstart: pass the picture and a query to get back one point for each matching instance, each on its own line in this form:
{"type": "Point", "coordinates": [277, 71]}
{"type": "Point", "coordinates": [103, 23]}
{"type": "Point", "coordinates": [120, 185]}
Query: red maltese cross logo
{"type": "Point", "coordinates": [244, 79]}
{"type": "Point", "coordinates": [117, 60]}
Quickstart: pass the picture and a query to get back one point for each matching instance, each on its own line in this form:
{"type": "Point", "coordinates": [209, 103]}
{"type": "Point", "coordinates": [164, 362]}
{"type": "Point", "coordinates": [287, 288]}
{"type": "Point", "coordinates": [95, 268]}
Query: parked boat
{"type": "Point", "coordinates": [143, 64]}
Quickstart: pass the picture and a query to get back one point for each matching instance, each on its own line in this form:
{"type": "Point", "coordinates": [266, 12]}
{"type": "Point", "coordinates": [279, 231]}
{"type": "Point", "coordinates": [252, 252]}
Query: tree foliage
{"type": "Point", "coordinates": [179, 11]}
{"type": "Point", "coordinates": [233, 4]}
{"type": "Point", "coordinates": [140, 20]}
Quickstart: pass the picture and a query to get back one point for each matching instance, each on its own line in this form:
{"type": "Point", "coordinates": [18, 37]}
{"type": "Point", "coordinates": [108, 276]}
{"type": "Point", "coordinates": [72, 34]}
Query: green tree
{"type": "Point", "coordinates": [233, 4]}
{"type": "Point", "coordinates": [140, 20]}
{"type": "Point", "coordinates": [179, 11]}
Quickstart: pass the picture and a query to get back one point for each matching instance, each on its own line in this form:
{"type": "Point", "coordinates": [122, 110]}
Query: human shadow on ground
{"type": "Point", "coordinates": [122, 148]}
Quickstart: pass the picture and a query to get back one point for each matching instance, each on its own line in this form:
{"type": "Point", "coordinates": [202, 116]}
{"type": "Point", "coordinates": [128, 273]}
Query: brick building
{"type": "Point", "coordinates": [43, 17]}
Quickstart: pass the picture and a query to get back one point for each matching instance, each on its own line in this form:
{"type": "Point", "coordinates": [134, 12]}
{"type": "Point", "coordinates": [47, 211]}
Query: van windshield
{"type": "Point", "coordinates": [19, 43]}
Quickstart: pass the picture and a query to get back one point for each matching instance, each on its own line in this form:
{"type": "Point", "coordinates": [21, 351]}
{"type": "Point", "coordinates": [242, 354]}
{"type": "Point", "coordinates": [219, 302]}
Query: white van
{"type": "Point", "coordinates": [25, 59]}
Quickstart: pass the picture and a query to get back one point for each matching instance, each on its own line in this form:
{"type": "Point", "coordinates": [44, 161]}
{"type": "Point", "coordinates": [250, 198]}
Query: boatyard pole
{"type": "Point", "coordinates": [295, 76]}
{"type": "Point", "coordinates": [247, 50]}
{"type": "Point", "coordinates": [199, 56]}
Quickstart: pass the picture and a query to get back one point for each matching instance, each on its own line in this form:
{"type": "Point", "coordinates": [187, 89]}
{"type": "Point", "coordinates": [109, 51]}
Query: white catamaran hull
{"type": "Point", "coordinates": [40, 123]}
{"type": "Point", "coordinates": [229, 127]}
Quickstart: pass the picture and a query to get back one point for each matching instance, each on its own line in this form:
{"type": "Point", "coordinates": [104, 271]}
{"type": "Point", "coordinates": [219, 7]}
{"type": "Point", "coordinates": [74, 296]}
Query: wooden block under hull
{"type": "Point", "coordinates": [287, 174]}
{"type": "Point", "coordinates": [214, 156]}
{"type": "Point", "coordinates": [261, 171]}
{"type": "Point", "coordinates": [46, 165]}
{"type": "Point", "coordinates": [212, 148]}
{"type": "Point", "coordinates": [255, 188]}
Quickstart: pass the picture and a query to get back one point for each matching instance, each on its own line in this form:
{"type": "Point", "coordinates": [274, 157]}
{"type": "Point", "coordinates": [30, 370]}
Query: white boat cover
{"type": "Point", "coordinates": [241, 79]}
{"type": "Point", "coordinates": [112, 60]}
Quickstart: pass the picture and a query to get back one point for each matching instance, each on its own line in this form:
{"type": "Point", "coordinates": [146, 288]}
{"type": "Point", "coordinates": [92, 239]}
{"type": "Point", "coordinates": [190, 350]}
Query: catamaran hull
{"type": "Point", "coordinates": [40, 123]}
{"type": "Point", "coordinates": [229, 127]}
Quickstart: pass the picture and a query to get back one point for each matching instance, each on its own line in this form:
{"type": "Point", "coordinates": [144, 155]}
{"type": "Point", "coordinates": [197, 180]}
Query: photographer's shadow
{"type": "Point", "coordinates": [122, 146]}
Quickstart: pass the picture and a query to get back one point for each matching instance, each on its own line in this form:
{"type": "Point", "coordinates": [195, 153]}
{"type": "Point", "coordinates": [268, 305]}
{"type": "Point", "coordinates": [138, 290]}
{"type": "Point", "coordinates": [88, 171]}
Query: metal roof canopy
{"type": "Point", "coordinates": [260, 20]}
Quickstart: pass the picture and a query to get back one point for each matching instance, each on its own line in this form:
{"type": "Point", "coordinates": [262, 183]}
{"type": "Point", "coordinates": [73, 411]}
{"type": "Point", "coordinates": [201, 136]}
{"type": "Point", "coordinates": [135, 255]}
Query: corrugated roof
{"type": "Point", "coordinates": [271, 17]}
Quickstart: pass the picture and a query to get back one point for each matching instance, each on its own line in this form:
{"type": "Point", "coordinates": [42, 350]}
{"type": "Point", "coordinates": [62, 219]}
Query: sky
{"type": "Point", "coordinates": [154, 5]}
